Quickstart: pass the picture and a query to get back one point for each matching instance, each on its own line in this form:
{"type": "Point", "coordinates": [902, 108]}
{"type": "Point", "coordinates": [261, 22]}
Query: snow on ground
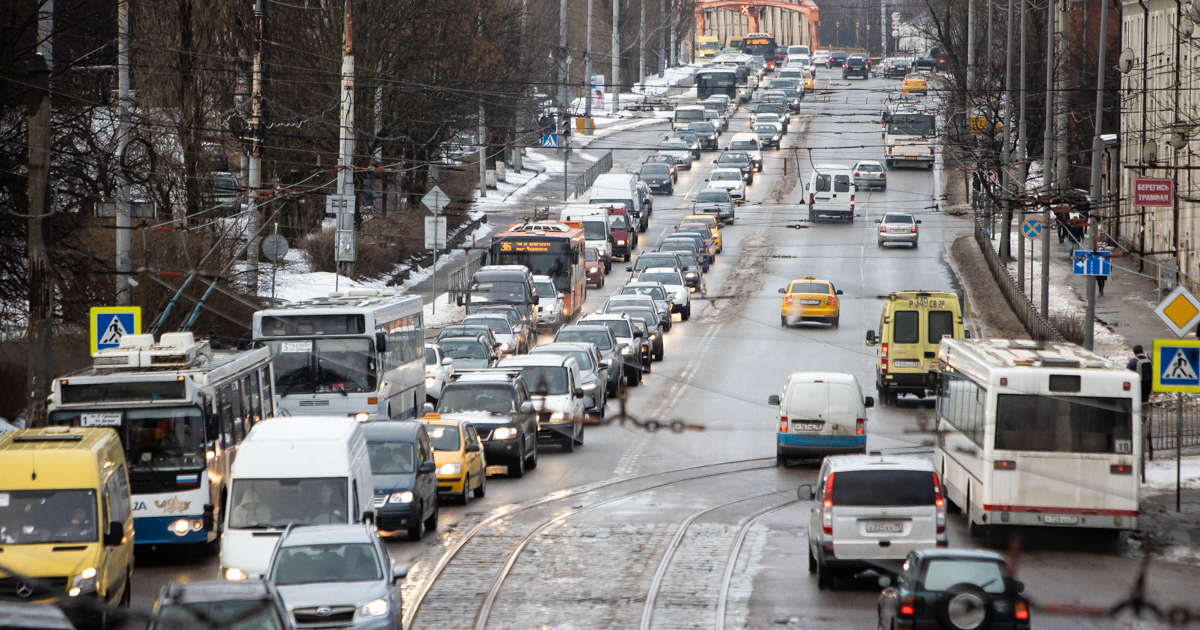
{"type": "Point", "coordinates": [1160, 473]}
{"type": "Point", "coordinates": [442, 313]}
{"type": "Point", "coordinates": [516, 185]}
{"type": "Point", "coordinates": [293, 287]}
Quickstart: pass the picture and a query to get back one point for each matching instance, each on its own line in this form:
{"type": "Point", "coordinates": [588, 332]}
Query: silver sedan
{"type": "Point", "coordinates": [895, 227]}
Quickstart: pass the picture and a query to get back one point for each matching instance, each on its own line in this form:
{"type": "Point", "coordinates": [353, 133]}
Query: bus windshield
{"type": "Point", "coordinates": [170, 438]}
{"type": "Point", "coordinates": [552, 258]}
{"type": "Point", "coordinates": [318, 366]}
{"type": "Point", "coordinates": [710, 83]}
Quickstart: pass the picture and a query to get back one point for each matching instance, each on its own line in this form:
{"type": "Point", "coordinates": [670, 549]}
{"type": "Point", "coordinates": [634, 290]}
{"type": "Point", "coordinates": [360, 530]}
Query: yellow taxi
{"type": "Point", "coordinates": [711, 222]}
{"type": "Point", "coordinates": [461, 469]}
{"type": "Point", "coordinates": [808, 80]}
{"type": "Point", "coordinates": [810, 299]}
{"type": "Point", "coordinates": [914, 84]}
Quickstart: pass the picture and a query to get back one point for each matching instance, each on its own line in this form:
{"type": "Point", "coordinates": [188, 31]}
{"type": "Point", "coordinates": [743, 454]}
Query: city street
{"type": "Point", "coordinates": [595, 557]}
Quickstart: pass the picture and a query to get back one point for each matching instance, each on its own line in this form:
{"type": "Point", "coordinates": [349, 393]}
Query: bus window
{"type": "Point", "coordinates": [941, 324]}
{"type": "Point", "coordinates": [1029, 422]}
{"type": "Point", "coordinates": [255, 398]}
{"type": "Point", "coordinates": [907, 328]}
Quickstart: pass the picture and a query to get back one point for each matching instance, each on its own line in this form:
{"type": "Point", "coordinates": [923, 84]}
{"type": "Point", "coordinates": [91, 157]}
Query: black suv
{"type": "Point", "coordinates": [836, 59]}
{"type": "Point", "coordinates": [856, 66]}
{"type": "Point", "coordinates": [496, 401]}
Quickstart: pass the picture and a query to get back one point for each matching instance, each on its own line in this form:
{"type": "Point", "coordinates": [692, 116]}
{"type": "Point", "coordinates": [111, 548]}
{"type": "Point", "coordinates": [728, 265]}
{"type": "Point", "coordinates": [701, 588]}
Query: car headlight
{"type": "Point", "coordinates": [587, 387]}
{"type": "Point", "coordinates": [85, 582]}
{"type": "Point", "coordinates": [377, 608]}
{"type": "Point", "coordinates": [234, 574]}
{"type": "Point", "coordinates": [679, 295]}
{"type": "Point", "coordinates": [626, 350]}
{"type": "Point", "coordinates": [450, 469]}
{"type": "Point", "coordinates": [690, 274]}
{"type": "Point", "coordinates": [593, 269]}
{"type": "Point", "coordinates": [401, 497]}
{"type": "Point", "coordinates": [429, 380]}
{"type": "Point", "coordinates": [504, 433]}
{"type": "Point", "coordinates": [557, 416]}
{"type": "Point", "coordinates": [620, 242]}
{"type": "Point", "coordinates": [503, 346]}
{"type": "Point", "coordinates": [653, 336]}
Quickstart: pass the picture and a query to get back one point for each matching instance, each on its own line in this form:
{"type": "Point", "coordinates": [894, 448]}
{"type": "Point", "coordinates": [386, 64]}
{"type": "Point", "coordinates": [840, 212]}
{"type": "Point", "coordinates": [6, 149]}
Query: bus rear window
{"type": "Point", "coordinates": [906, 327]}
{"type": "Point", "coordinates": [1065, 424]}
{"type": "Point", "coordinates": [941, 324]}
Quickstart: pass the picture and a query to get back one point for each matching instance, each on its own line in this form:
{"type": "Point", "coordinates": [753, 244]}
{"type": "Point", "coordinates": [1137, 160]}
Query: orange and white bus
{"type": "Point", "coordinates": [547, 248]}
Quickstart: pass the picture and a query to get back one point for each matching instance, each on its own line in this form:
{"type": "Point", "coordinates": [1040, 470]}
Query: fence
{"type": "Point", "coordinates": [585, 180]}
{"type": "Point", "coordinates": [1158, 424]}
{"type": "Point", "coordinates": [459, 278]}
{"type": "Point", "coordinates": [1038, 328]}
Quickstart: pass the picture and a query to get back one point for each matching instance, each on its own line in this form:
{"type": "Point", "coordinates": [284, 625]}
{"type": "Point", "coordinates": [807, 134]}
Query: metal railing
{"type": "Point", "coordinates": [459, 278]}
{"type": "Point", "coordinates": [1158, 426]}
{"type": "Point", "coordinates": [588, 177]}
{"type": "Point", "coordinates": [1038, 328]}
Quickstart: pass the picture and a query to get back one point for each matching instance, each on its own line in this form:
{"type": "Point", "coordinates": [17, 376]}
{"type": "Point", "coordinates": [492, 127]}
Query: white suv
{"type": "Point", "coordinates": [872, 510]}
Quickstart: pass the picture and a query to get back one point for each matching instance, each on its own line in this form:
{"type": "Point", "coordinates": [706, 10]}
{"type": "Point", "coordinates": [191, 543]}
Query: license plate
{"type": "Point", "coordinates": [807, 426]}
{"type": "Point", "coordinates": [899, 231]}
{"type": "Point", "coordinates": [884, 528]}
{"type": "Point", "coordinates": [810, 302]}
{"type": "Point", "coordinates": [906, 363]}
{"type": "Point", "coordinates": [909, 157]}
{"type": "Point", "coordinates": [1051, 519]}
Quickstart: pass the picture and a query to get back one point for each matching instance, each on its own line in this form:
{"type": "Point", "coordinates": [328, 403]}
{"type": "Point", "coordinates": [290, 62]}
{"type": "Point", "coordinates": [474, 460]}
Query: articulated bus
{"type": "Point", "coordinates": [1037, 434]}
{"type": "Point", "coordinates": [761, 45]}
{"type": "Point", "coordinates": [547, 248]}
{"type": "Point", "coordinates": [359, 353]}
{"type": "Point", "coordinates": [910, 139]}
{"type": "Point", "coordinates": [180, 409]}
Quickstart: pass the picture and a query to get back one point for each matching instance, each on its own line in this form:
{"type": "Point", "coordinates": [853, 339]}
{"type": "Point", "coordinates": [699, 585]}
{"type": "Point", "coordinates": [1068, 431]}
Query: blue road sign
{"type": "Point", "coordinates": [1032, 228]}
{"type": "Point", "coordinates": [1089, 263]}
{"type": "Point", "coordinates": [1176, 366]}
{"type": "Point", "coordinates": [549, 141]}
{"type": "Point", "coordinates": [109, 323]}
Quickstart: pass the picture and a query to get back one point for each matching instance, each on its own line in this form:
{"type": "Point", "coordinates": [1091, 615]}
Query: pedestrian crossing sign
{"type": "Point", "coordinates": [1177, 366]}
{"type": "Point", "coordinates": [108, 324]}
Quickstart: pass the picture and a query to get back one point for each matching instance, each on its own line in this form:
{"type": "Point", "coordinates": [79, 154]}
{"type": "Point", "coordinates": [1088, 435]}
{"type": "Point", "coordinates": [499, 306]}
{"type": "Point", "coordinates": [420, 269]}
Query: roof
{"type": "Point", "coordinates": [839, 463]}
{"type": "Point", "coordinates": [576, 346]}
{"type": "Point", "coordinates": [392, 430]}
{"type": "Point", "coordinates": [828, 377]}
{"type": "Point", "coordinates": [660, 270]}
{"type": "Point", "coordinates": [832, 166]}
{"type": "Point", "coordinates": [501, 270]}
{"type": "Point", "coordinates": [1025, 353]}
{"type": "Point", "coordinates": [327, 534]}
{"type": "Point", "coordinates": [216, 591]}
{"type": "Point", "coordinates": [67, 457]}
{"type": "Point", "coordinates": [537, 360]}
{"type": "Point", "coordinates": [602, 317]}
{"type": "Point", "coordinates": [973, 554]}
{"type": "Point", "coordinates": [296, 428]}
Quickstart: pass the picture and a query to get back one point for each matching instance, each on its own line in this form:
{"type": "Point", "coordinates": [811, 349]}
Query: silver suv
{"type": "Point", "coordinates": [871, 510]}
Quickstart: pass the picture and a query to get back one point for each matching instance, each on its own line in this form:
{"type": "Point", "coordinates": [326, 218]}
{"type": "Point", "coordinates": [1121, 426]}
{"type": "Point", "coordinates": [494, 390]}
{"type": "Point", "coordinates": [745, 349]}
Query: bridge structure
{"type": "Point", "coordinates": [754, 10]}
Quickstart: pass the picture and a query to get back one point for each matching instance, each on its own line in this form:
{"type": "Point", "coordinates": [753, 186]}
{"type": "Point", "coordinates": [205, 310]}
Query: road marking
{"type": "Point", "coordinates": [628, 464]}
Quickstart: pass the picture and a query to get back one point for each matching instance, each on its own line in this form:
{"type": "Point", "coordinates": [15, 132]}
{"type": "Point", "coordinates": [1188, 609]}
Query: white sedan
{"type": "Point", "coordinates": [438, 368]}
{"type": "Point", "coordinates": [729, 179]}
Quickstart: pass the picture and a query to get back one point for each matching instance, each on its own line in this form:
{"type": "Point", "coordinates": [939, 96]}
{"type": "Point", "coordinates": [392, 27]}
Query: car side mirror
{"type": "Point", "coordinates": [368, 516]}
{"type": "Point", "coordinates": [561, 295]}
{"type": "Point", "coordinates": [773, 400]}
{"type": "Point", "coordinates": [115, 535]}
{"type": "Point", "coordinates": [427, 408]}
{"type": "Point", "coordinates": [884, 581]}
{"type": "Point", "coordinates": [638, 334]}
{"type": "Point", "coordinates": [714, 161]}
{"type": "Point", "coordinates": [879, 220]}
{"type": "Point", "coordinates": [805, 493]}
{"type": "Point", "coordinates": [705, 179]}
{"type": "Point", "coordinates": [918, 220]}
{"type": "Point", "coordinates": [870, 337]}
{"type": "Point", "coordinates": [447, 361]}
{"type": "Point", "coordinates": [1018, 586]}
{"type": "Point", "coordinates": [783, 291]}
{"type": "Point", "coordinates": [807, 186]}
{"type": "Point", "coordinates": [427, 466]}
{"type": "Point", "coordinates": [578, 393]}
{"type": "Point", "coordinates": [399, 572]}
{"type": "Point", "coordinates": [472, 448]}
{"type": "Point", "coordinates": [837, 292]}
{"type": "Point", "coordinates": [629, 269]}
{"type": "Point", "coordinates": [606, 363]}
{"type": "Point", "coordinates": [868, 402]}
{"type": "Point", "coordinates": [526, 407]}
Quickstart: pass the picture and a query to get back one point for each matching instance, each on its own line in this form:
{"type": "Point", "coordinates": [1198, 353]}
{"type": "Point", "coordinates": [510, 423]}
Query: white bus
{"type": "Point", "coordinates": [359, 354]}
{"type": "Point", "coordinates": [1037, 434]}
{"type": "Point", "coordinates": [180, 409]}
{"type": "Point", "coordinates": [910, 139]}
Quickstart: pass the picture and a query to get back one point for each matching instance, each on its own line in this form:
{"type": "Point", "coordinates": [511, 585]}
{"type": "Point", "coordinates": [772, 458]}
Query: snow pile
{"type": "Point", "coordinates": [1160, 473]}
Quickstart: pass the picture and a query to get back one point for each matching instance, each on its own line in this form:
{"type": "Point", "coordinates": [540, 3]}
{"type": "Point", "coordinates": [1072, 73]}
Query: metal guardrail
{"type": "Point", "coordinates": [1038, 328]}
{"type": "Point", "coordinates": [459, 278]}
{"type": "Point", "coordinates": [588, 177]}
{"type": "Point", "coordinates": [1158, 426]}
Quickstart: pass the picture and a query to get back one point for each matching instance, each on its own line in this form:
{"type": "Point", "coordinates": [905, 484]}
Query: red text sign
{"type": "Point", "coordinates": [1152, 192]}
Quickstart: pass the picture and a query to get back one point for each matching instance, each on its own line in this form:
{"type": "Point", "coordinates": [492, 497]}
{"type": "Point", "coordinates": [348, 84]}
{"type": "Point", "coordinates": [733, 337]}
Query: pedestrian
{"type": "Point", "coordinates": [1100, 280]}
{"type": "Point", "coordinates": [1142, 364]}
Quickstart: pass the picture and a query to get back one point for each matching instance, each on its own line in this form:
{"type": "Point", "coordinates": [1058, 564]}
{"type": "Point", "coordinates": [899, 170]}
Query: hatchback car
{"type": "Point", "coordinates": [836, 59]}
{"type": "Point", "coordinates": [872, 508]}
{"type": "Point", "coordinates": [461, 468]}
{"type": "Point", "coordinates": [658, 177]}
{"type": "Point", "coordinates": [914, 84]}
{"type": "Point", "coordinates": [769, 134]}
{"type": "Point", "coordinates": [739, 160]}
{"type": "Point", "coordinates": [707, 132]}
{"type": "Point", "coordinates": [405, 477]}
{"type": "Point", "coordinates": [959, 589]}
{"type": "Point", "coordinates": [338, 574]}
{"type": "Point", "coordinates": [593, 370]}
{"type": "Point", "coordinates": [468, 353]}
{"type": "Point", "coordinates": [677, 150]}
{"type": "Point", "coordinates": [729, 180]}
{"type": "Point", "coordinates": [664, 159]}
{"type": "Point", "coordinates": [672, 281]}
{"type": "Point", "coordinates": [870, 174]}
{"type": "Point", "coordinates": [856, 66]}
{"type": "Point", "coordinates": [896, 68]}
{"type": "Point", "coordinates": [593, 269]}
{"type": "Point", "coordinates": [216, 603]}
{"type": "Point", "coordinates": [810, 299]}
{"type": "Point", "coordinates": [896, 227]}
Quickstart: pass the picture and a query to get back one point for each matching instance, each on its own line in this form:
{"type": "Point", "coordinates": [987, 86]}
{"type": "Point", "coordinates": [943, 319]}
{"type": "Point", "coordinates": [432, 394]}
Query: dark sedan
{"type": "Point", "coordinates": [837, 59]}
{"type": "Point", "coordinates": [658, 177]}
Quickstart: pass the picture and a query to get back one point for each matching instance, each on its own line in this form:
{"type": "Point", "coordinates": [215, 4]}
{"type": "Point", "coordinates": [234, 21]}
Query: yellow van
{"type": "Point", "coordinates": [66, 523]}
{"type": "Point", "coordinates": [911, 329]}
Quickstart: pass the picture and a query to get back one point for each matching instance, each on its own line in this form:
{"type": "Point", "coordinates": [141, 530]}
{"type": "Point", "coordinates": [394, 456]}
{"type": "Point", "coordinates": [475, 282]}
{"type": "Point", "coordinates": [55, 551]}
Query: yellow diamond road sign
{"type": "Point", "coordinates": [1180, 311]}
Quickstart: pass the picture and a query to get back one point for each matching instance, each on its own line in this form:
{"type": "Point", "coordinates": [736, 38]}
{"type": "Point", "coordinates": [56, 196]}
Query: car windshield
{"type": "Point", "coordinates": [602, 340]}
{"type": "Point", "coordinates": [688, 261]}
{"type": "Point", "coordinates": [662, 277]}
{"type": "Point", "coordinates": [443, 437]}
{"type": "Point", "coordinates": [897, 218]}
{"type": "Point", "coordinates": [654, 169]}
{"type": "Point", "coordinates": [736, 158]}
{"type": "Point", "coordinates": [655, 292]}
{"type": "Point", "coordinates": [712, 196]}
{"type": "Point", "coordinates": [500, 291]}
{"type": "Point", "coordinates": [460, 330]}
{"type": "Point", "coordinates": [498, 325]}
{"type": "Point", "coordinates": [459, 348]}
{"type": "Point", "coordinates": [942, 573]}
{"type": "Point", "coordinates": [431, 356]}
{"type": "Point", "coordinates": [241, 614]}
{"type": "Point", "coordinates": [644, 314]}
{"type": "Point", "coordinates": [686, 136]}
{"type": "Point", "coordinates": [726, 176]}
{"type": "Point", "coordinates": [308, 366]}
{"type": "Point", "coordinates": [165, 439]}
{"type": "Point", "coordinates": [619, 327]}
{"type": "Point", "coordinates": [592, 231]}
{"type": "Point", "coordinates": [391, 458]}
{"type": "Point", "coordinates": [545, 380]}
{"type": "Point", "coordinates": [703, 127]}
{"type": "Point", "coordinates": [309, 564]}
{"type": "Point", "coordinates": [476, 397]}
{"type": "Point", "coordinates": [767, 129]}
{"type": "Point", "coordinates": [581, 357]}
{"type": "Point", "coordinates": [646, 262]}
{"type": "Point", "coordinates": [545, 288]}
{"type": "Point", "coordinates": [673, 145]}
{"type": "Point", "coordinates": [674, 245]}
{"type": "Point", "coordinates": [767, 117]}
{"type": "Point", "coordinates": [260, 503]}
{"type": "Point", "coordinates": [30, 517]}
{"type": "Point", "coordinates": [589, 255]}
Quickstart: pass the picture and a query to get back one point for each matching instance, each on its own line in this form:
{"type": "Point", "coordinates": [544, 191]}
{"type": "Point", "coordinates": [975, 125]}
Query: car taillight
{"type": "Point", "coordinates": [811, 197]}
{"type": "Point", "coordinates": [830, 301]}
{"type": "Point", "coordinates": [883, 357]}
{"type": "Point", "coordinates": [783, 424]}
{"type": "Point", "coordinates": [940, 502]}
{"type": "Point", "coordinates": [858, 426]}
{"type": "Point", "coordinates": [912, 605]}
{"type": "Point", "coordinates": [930, 150]}
{"type": "Point", "coordinates": [827, 506]}
{"type": "Point", "coordinates": [851, 202]}
{"type": "Point", "coordinates": [882, 229]}
{"type": "Point", "coordinates": [889, 152]}
{"type": "Point", "coordinates": [882, 175]}
{"type": "Point", "coordinates": [1022, 611]}
{"type": "Point", "coordinates": [787, 299]}
{"type": "Point", "coordinates": [856, 173]}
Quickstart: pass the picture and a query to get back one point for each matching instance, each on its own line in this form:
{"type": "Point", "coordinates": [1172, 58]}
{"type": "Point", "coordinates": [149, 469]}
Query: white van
{"type": "Point", "coordinates": [820, 413]}
{"type": "Point", "coordinates": [595, 228]}
{"type": "Point", "coordinates": [619, 188]}
{"type": "Point", "coordinates": [685, 116]}
{"type": "Point", "coordinates": [298, 470]}
{"type": "Point", "coordinates": [872, 508]}
{"type": "Point", "coordinates": [748, 142]}
{"type": "Point", "coordinates": [831, 192]}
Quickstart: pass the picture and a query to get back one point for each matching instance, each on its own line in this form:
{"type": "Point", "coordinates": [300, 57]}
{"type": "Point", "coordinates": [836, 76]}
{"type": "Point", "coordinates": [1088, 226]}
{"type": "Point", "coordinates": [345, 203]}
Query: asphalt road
{"type": "Point", "coordinates": [718, 371]}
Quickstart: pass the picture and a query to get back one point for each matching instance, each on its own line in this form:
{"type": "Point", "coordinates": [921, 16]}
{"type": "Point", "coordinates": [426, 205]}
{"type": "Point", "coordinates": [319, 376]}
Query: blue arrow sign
{"type": "Point", "coordinates": [549, 141]}
{"type": "Point", "coordinates": [1089, 263]}
{"type": "Point", "coordinates": [1032, 228]}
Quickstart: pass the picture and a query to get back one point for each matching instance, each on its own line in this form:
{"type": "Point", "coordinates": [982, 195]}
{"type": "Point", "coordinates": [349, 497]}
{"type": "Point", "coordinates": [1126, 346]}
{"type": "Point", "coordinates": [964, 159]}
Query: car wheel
{"type": "Point", "coordinates": [880, 242]}
{"type": "Point", "coordinates": [568, 445]}
{"type": "Point", "coordinates": [824, 576]}
{"type": "Point", "coordinates": [783, 320]}
{"type": "Point", "coordinates": [780, 460]}
{"type": "Point", "coordinates": [481, 491]}
{"type": "Point", "coordinates": [601, 285]}
{"type": "Point", "coordinates": [686, 313]}
{"type": "Point", "coordinates": [465, 497]}
{"type": "Point", "coordinates": [431, 523]}
{"type": "Point", "coordinates": [671, 190]}
{"type": "Point", "coordinates": [883, 188]}
{"type": "Point", "coordinates": [532, 463]}
{"type": "Point", "coordinates": [417, 530]}
{"type": "Point", "coordinates": [836, 321]}
{"type": "Point", "coordinates": [914, 244]}
{"type": "Point", "coordinates": [812, 561]}
{"type": "Point", "coordinates": [634, 378]}
{"type": "Point", "coordinates": [127, 596]}
{"type": "Point", "coordinates": [516, 469]}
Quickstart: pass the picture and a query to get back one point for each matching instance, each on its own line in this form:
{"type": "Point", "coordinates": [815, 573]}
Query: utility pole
{"type": "Point", "coordinates": [970, 52]}
{"type": "Point", "coordinates": [642, 46]}
{"type": "Point", "coordinates": [256, 124]}
{"type": "Point", "coordinates": [587, 66]}
{"type": "Point", "coordinates": [345, 178]}
{"type": "Point", "coordinates": [1048, 157]}
{"type": "Point", "coordinates": [1006, 181]}
{"type": "Point", "coordinates": [1089, 316]}
{"type": "Point", "coordinates": [1022, 144]}
{"type": "Point", "coordinates": [41, 277]}
{"type": "Point", "coordinates": [482, 131]}
{"type": "Point", "coordinates": [124, 297]}
{"type": "Point", "coordinates": [616, 57]}
{"type": "Point", "coordinates": [45, 30]}
{"type": "Point", "coordinates": [662, 39]}
{"type": "Point", "coordinates": [987, 74]}
{"type": "Point", "coordinates": [564, 99]}
{"type": "Point", "coordinates": [883, 28]}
